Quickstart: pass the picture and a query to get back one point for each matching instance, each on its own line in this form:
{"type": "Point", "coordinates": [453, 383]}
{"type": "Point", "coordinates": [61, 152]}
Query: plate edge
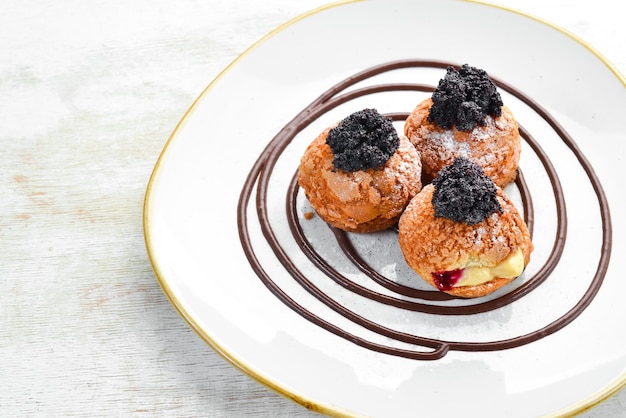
{"type": "Point", "coordinates": [306, 402]}
{"type": "Point", "coordinates": [313, 405]}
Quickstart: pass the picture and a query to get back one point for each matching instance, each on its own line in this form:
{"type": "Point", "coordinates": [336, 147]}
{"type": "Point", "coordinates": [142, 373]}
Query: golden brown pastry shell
{"type": "Point", "coordinates": [361, 201]}
{"type": "Point", "coordinates": [496, 146]}
{"type": "Point", "coordinates": [432, 244]}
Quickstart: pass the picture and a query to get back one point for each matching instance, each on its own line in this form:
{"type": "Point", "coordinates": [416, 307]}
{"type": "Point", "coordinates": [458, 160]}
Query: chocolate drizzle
{"type": "Point", "coordinates": [258, 180]}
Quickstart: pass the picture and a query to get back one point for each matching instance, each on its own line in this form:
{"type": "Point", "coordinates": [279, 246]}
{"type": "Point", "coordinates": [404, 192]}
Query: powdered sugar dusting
{"type": "Point", "coordinates": [450, 147]}
{"type": "Point", "coordinates": [478, 235]}
{"type": "Point", "coordinates": [485, 132]}
{"type": "Point", "coordinates": [407, 163]}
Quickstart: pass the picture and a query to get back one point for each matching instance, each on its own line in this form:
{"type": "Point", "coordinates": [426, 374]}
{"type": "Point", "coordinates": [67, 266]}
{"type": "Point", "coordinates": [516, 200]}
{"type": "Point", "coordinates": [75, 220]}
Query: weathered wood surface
{"type": "Point", "coordinates": [89, 93]}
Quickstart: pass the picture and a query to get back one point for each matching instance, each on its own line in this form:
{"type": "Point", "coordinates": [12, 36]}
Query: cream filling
{"type": "Point", "coordinates": [509, 268]}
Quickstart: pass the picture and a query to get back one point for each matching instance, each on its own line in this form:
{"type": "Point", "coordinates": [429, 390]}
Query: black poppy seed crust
{"type": "Point", "coordinates": [462, 193]}
{"type": "Point", "coordinates": [463, 98]}
{"type": "Point", "coordinates": [364, 139]}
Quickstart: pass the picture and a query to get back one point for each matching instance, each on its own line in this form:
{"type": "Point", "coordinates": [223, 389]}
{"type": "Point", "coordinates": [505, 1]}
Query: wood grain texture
{"type": "Point", "coordinates": [90, 92]}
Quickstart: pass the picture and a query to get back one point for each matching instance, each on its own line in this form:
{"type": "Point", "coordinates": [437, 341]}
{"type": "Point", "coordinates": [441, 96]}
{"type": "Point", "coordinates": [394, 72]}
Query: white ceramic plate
{"type": "Point", "coordinates": [307, 341]}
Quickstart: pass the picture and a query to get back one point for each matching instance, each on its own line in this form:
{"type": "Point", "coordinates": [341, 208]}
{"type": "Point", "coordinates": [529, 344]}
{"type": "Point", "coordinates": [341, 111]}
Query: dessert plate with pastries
{"type": "Point", "coordinates": [381, 223]}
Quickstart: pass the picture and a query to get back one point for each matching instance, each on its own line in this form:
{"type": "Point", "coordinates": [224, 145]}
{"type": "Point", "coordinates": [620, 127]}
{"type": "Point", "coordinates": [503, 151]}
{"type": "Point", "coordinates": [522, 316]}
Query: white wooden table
{"type": "Point", "coordinates": [89, 93]}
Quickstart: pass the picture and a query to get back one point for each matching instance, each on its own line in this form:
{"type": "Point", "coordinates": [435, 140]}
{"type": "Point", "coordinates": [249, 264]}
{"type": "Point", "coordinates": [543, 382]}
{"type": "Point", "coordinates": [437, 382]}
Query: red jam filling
{"type": "Point", "coordinates": [445, 280]}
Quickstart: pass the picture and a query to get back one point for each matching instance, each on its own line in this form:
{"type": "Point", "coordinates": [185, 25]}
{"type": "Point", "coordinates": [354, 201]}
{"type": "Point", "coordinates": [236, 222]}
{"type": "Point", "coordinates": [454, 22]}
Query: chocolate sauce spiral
{"type": "Point", "coordinates": [260, 174]}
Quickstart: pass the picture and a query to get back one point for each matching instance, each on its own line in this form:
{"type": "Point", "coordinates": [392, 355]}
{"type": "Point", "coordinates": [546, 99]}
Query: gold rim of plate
{"type": "Point", "coordinates": [301, 399]}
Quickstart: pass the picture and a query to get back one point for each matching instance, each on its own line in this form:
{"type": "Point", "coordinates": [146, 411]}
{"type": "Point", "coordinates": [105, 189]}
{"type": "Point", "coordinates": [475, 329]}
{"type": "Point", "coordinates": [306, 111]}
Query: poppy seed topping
{"type": "Point", "coordinates": [365, 139]}
{"type": "Point", "coordinates": [462, 193]}
{"type": "Point", "coordinates": [463, 98]}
